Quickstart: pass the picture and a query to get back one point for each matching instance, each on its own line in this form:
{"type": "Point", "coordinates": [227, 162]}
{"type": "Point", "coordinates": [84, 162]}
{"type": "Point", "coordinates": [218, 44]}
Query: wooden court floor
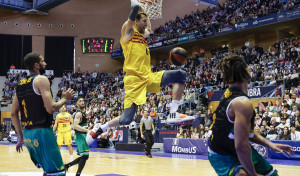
{"type": "Point", "coordinates": [100, 163]}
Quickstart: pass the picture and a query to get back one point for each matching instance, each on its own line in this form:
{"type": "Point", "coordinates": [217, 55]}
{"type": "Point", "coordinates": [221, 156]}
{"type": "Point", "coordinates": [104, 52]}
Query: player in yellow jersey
{"type": "Point", "coordinates": [139, 78]}
{"type": "Point", "coordinates": [63, 125]}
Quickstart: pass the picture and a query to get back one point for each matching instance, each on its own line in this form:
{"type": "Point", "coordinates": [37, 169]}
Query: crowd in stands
{"type": "Point", "coordinates": [212, 19]}
{"type": "Point", "coordinates": [11, 81]}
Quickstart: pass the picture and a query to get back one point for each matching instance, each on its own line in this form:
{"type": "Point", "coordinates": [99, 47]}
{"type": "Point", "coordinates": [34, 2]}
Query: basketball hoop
{"type": "Point", "coordinates": [152, 8]}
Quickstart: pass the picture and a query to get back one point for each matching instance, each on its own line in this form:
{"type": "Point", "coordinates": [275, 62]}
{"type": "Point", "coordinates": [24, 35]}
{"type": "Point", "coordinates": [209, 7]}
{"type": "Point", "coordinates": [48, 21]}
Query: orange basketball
{"type": "Point", "coordinates": [178, 56]}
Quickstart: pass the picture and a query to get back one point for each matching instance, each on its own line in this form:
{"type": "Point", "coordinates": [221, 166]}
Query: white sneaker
{"type": "Point", "coordinates": [179, 119]}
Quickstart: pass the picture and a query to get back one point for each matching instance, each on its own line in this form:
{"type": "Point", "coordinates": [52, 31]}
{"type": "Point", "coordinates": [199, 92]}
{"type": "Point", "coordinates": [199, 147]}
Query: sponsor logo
{"type": "Point", "coordinates": [177, 149]}
{"type": "Point", "coordinates": [255, 22]}
{"type": "Point", "coordinates": [226, 29]}
{"type": "Point", "coordinates": [175, 141]}
{"type": "Point", "coordinates": [254, 92]}
{"type": "Point", "coordinates": [296, 149]}
{"type": "Point", "coordinates": [260, 149]}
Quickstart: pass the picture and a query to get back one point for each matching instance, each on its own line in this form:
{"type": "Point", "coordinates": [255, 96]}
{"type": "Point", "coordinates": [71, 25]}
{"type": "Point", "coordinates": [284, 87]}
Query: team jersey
{"type": "Point", "coordinates": [63, 122]}
{"type": "Point", "coordinates": [222, 139]}
{"type": "Point", "coordinates": [33, 111]}
{"type": "Point", "coordinates": [83, 121]}
{"type": "Point", "coordinates": [137, 55]}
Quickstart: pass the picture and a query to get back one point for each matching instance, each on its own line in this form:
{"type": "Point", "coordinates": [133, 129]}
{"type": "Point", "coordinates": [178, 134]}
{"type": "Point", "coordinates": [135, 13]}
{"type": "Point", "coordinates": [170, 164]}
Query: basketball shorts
{"type": "Point", "coordinates": [82, 146]}
{"type": "Point", "coordinates": [43, 150]}
{"type": "Point", "coordinates": [230, 165]}
{"type": "Point", "coordinates": [137, 88]}
{"type": "Point", "coordinates": [64, 136]}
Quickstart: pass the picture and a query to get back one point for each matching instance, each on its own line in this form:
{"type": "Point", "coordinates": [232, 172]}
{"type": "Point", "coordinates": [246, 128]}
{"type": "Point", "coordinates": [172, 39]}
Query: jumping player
{"type": "Point", "coordinates": [139, 78]}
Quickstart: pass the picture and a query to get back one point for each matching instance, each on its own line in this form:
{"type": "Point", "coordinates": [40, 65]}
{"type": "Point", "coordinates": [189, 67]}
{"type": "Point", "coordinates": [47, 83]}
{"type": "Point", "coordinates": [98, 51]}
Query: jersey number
{"type": "Point", "coordinates": [25, 110]}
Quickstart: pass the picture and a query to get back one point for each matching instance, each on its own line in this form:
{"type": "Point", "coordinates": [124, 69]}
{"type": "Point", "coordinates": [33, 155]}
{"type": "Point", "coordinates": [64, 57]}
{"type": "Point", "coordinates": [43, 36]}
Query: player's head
{"type": "Point", "coordinates": [35, 61]}
{"type": "Point", "coordinates": [80, 102]}
{"type": "Point", "coordinates": [234, 69]}
{"type": "Point", "coordinates": [141, 22]}
{"type": "Point", "coordinates": [63, 108]}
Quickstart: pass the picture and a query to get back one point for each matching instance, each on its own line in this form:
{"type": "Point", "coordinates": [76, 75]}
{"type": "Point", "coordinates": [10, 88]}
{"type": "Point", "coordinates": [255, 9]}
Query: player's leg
{"type": "Point", "coordinates": [60, 139]}
{"type": "Point", "coordinates": [49, 152]}
{"type": "Point", "coordinates": [177, 78]}
{"type": "Point", "coordinates": [125, 119]}
{"type": "Point", "coordinates": [68, 141]}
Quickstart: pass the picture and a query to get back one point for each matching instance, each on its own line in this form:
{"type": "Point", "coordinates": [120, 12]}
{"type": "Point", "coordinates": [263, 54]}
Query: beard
{"type": "Point", "coordinates": [42, 70]}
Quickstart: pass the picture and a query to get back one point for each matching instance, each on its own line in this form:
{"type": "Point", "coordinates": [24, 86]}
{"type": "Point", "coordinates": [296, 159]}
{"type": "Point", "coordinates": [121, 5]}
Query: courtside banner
{"type": "Point", "coordinates": [226, 29]}
{"type": "Point", "coordinates": [278, 155]}
{"type": "Point", "coordinates": [185, 146]}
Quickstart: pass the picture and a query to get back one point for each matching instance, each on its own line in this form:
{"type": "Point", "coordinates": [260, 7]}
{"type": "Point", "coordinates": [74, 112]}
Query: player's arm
{"type": "Point", "coordinates": [16, 121]}
{"type": "Point", "coordinates": [141, 128]}
{"type": "Point", "coordinates": [76, 125]}
{"type": "Point", "coordinates": [153, 129]}
{"type": "Point", "coordinates": [242, 110]}
{"type": "Point", "coordinates": [258, 139]}
{"type": "Point", "coordinates": [55, 124]}
{"type": "Point", "coordinates": [127, 28]}
{"type": "Point", "coordinates": [42, 85]}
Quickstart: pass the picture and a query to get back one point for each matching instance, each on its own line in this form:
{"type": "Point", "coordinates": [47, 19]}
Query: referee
{"type": "Point", "coordinates": [147, 133]}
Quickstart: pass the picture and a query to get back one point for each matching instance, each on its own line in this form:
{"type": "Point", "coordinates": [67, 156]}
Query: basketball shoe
{"type": "Point", "coordinates": [179, 119]}
{"type": "Point", "coordinates": [93, 134]}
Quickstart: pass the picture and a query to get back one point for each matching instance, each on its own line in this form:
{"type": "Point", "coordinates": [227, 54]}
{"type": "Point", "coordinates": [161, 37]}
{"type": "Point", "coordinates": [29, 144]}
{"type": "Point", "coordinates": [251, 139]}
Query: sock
{"type": "Point", "coordinates": [174, 106]}
{"type": "Point", "coordinates": [105, 127]}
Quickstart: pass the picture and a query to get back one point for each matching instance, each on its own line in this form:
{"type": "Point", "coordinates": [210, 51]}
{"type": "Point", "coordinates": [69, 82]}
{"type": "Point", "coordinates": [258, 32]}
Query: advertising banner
{"type": "Point", "coordinates": [286, 15]}
{"type": "Point", "coordinates": [186, 38]}
{"type": "Point", "coordinates": [185, 146]}
{"type": "Point", "coordinates": [254, 92]}
{"type": "Point", "coordinates": [171, 41]}
{"type": "Point", "coordinates": [156, 45]}
{"type": "Point", "coordinates": [226, 29]}
{"type": "Point", "coordinates": [117, 53]}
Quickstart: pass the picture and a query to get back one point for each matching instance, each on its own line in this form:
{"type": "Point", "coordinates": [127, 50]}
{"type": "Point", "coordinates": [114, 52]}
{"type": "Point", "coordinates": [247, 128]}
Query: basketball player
{"type": "Point", "coordinates": [33, 98]}
{"type": "Point", "coordinates": [80, 125]}
{"type": "Point", "coordinates": [139, 78]}
{"type": "Point", "coordinates": [230, 152]}
{"type": "Point", "coordinates": [63, 124]}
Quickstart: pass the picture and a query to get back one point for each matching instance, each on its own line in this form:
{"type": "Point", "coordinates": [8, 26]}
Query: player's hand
{"type": "Point", "coordinates": [68, 94]}
{"type": "Point", "coordinates": [142, 136]}
{"type": "Point", "coordinates": [19, 145]}
{"type": "Point", "coordinates": [287, 149]}
{"type": "Point", "coordinates": [153, 132]}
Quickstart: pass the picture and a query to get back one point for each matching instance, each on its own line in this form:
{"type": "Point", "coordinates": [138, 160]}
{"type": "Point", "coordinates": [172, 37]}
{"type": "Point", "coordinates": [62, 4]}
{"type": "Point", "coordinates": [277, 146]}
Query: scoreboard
{"type": "Point", "coordinates": [97, 45]}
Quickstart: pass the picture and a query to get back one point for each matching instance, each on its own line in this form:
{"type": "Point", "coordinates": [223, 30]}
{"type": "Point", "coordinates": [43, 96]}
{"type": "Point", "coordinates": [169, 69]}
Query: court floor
{"type": "Point", "coordinates": [118, 163]}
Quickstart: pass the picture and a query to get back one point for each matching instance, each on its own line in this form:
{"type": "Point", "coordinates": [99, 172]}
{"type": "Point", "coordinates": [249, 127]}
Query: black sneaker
{"type": "Point", "coordinates": [149, 155]}
{"type": "Point", "coordinates": [66, 167]}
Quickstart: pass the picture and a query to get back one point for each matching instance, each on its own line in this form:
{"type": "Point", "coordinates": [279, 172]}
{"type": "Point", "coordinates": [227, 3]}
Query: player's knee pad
{"type": "Point", "coordinates": [128, 115]}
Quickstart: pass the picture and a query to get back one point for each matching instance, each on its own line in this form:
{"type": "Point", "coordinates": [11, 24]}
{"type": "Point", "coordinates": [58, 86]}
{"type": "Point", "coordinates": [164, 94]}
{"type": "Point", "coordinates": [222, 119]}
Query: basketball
{"type": "Point", "coordinates": [178, 56]}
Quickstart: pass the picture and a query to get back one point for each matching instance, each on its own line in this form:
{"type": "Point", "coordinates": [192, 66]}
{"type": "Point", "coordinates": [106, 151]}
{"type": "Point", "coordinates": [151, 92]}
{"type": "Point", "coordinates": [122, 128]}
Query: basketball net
{"type": "Point", "coordinates": [152, 8]}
